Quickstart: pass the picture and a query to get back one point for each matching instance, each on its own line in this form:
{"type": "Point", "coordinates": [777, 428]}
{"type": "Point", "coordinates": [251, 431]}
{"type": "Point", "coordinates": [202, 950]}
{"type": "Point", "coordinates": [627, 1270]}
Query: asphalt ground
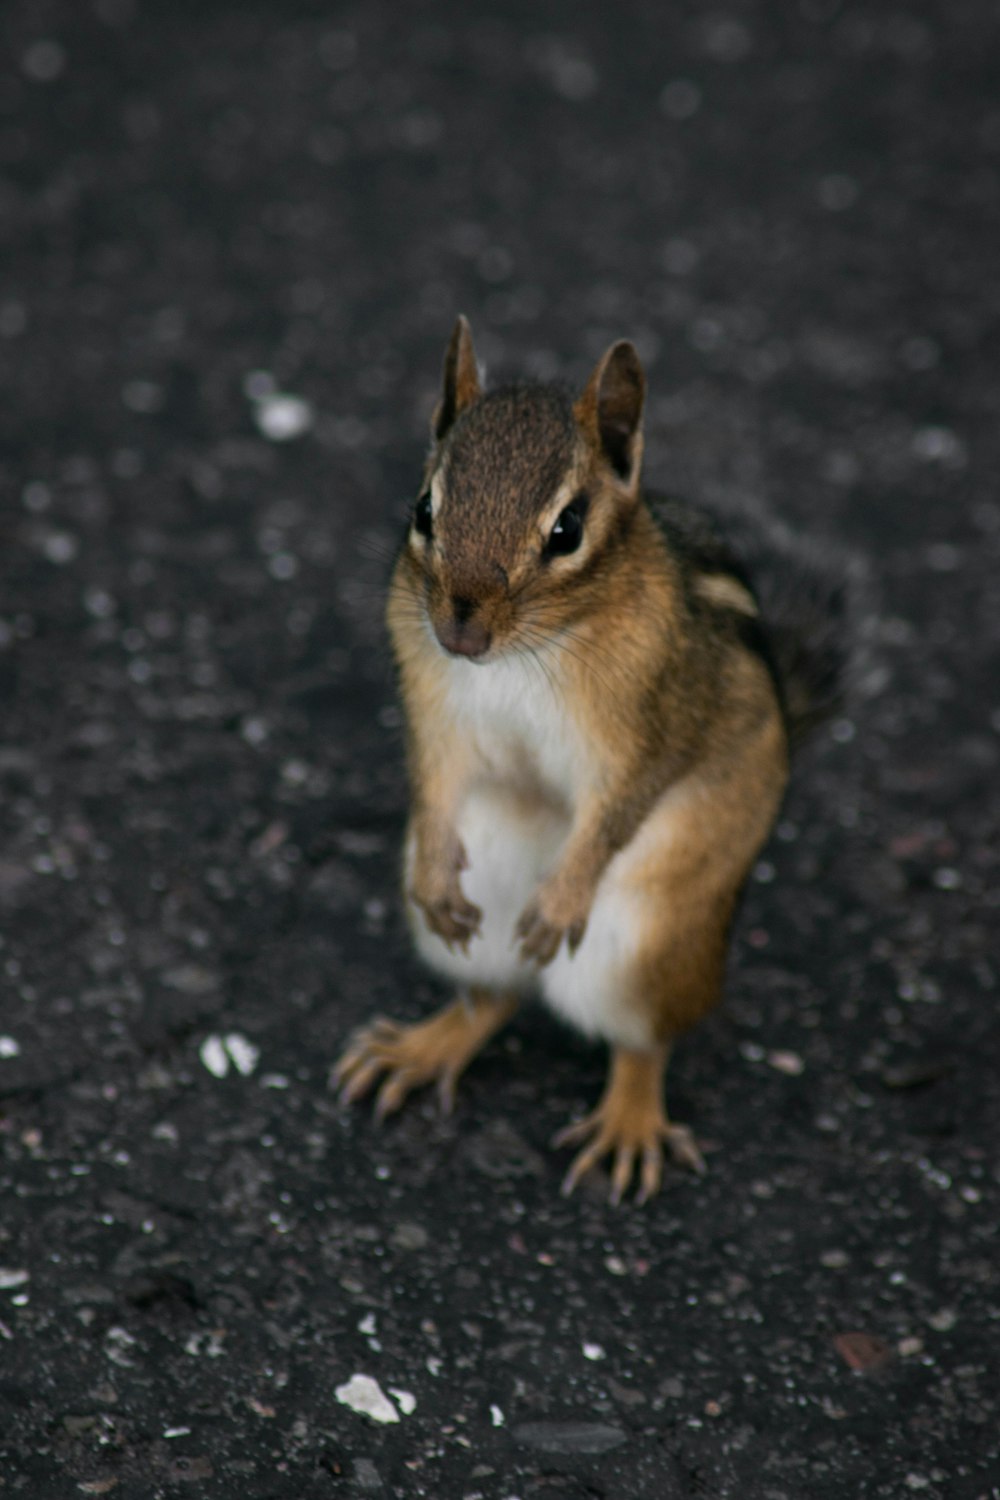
{"type": "Point", "coordinates": [233, 240]}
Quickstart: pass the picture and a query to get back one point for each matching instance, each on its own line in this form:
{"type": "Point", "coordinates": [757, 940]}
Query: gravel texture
{"type": "Point", "coordinates": [234, 238]}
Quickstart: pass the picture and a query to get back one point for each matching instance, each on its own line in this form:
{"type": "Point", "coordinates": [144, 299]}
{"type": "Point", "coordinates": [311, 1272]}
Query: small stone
{"type": "Point", "coordinates": [365, 1395]}
{"type": "Point", "coordinates": [366, 1476]}
{"type": "Point", "coordinates": [939, 445]}
{"type": "Point", "coordinates": [862, 1351]}
{"type": "Point", "coordinates": [915, 1073]}
{"type": "Point", "coordinates": [190, 1470]}
{"type": "Point", "coordinates": [625, 1394]}
{"type": "Point", "coordinates": [78, 1427]}
{"type": "Point", "coordinates": [258, 385]}
{"type": "Point", "coordinates": [255, 731]}
{"type": "Point", "coordinates": [214, 1056]}
{"type": "Point", "coordinates": [60, 547]}
{"type": "Point", "coordinates": [143, 396]}
{"type": "Point", "coordinates": [499, 1152]}
{"type": "Point", "coordinates": [787, 1062]}
{"type": "Point", "coordinates": [282, 418]}
{"type": "Point", "coordinates": [569, 1437]}
{"type": "Point", "coordinates": [245, 1056]}
{"type": "Point", "coordinates": [190, 979]}
{"type": "Point", "coordinates": [409, 1237]}
{"type": "Point", "coordinates": [283, 565]}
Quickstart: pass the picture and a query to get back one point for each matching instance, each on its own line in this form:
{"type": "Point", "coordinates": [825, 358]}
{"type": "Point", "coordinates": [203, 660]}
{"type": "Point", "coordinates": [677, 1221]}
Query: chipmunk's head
{"type": "Point", "coordinates": [527, 497]}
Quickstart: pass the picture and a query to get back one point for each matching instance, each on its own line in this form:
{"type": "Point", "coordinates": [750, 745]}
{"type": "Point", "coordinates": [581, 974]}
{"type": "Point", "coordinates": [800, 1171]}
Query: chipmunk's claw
{"type": "Point", "coordinates": [550, 916]}
{"type": "Point", "coordinates": [541, 939]}
{"type": "Point", "coordinates": [453, 918]}
{"type": "Point", "coordinates": [636, 1144]}
{"type": "Point", "coordinates": [377, 1050]}
{"type": "Point", "coordinates": [684, 1150]}
{"type": "Point", "coordinates": [404, 1058]}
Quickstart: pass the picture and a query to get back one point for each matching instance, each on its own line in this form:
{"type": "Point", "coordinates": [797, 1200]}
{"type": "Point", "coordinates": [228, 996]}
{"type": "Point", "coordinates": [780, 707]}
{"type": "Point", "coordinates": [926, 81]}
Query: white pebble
{"type": "Point", "coordinates": [281, 418]}
{"type": "Point", "coordinates": [213, 1054]}
{"type": "Point", "coordinates": [9, 1047]}
{"type": "Point", "coordinates": [244, 1054]}
{"type": "Point", "coordinates": [787, 1062]}
{"type": "Point", "coordinates": [363, 1394]}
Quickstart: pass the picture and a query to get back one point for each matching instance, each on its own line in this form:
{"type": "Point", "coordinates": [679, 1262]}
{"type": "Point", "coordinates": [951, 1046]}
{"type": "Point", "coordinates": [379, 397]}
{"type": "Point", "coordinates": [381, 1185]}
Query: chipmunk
{"type": "Point", "coordinates": [599, 717]}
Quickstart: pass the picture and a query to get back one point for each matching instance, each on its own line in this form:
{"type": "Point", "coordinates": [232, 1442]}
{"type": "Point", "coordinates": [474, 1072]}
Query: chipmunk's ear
{"type": "Point", "coordinates": [460, 385]}
{"type": "Point", "coordinates": [610, 409]}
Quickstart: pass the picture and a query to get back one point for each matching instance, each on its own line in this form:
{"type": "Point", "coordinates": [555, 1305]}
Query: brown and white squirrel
{"type": "Point", "coordinates": [600, 700]}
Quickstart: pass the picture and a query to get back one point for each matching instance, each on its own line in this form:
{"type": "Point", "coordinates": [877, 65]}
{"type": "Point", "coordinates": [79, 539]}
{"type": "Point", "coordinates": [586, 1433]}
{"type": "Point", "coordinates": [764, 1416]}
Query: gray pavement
{"type": "Point", "coordinates": [233, 239]}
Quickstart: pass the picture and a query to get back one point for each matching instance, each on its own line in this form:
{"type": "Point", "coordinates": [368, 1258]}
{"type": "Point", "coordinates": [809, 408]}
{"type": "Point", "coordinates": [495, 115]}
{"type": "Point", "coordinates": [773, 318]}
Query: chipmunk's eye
{"type": "Point", "coordinates": [567, 534]}
{"type": "Point", "coordinates": [423, 516]}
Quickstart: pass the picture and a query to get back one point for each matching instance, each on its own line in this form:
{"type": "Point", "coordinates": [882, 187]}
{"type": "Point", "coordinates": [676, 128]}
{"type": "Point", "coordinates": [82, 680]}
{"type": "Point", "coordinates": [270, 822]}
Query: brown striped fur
{"type": "Point", "coordinates": [676, 747]}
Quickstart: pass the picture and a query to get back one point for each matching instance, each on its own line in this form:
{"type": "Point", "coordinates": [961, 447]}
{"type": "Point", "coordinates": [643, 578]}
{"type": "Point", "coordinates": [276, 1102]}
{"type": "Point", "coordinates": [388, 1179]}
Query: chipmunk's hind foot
{"type": "Point", "coordinates": [630, 1124]}
{"type": "Point", "coordinates": [436, 1051]}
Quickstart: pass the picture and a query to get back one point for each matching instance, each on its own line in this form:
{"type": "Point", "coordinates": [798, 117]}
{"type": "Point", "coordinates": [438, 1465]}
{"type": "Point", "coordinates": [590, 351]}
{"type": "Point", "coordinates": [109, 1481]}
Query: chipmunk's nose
{"type": "Point", "coordinates": [461, 635]}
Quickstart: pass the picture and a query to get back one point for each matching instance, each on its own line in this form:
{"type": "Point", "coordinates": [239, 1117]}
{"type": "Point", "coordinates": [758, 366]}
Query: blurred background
{"type": "Point", "coordinates": [233, 241]}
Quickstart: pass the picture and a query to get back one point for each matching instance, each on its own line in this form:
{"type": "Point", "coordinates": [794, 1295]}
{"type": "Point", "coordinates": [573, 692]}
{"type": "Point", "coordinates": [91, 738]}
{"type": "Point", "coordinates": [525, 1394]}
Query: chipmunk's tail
{"type": "Point", "coordinates": [813, 608]}
{"type": "Point", "coordinates": [805, 613]}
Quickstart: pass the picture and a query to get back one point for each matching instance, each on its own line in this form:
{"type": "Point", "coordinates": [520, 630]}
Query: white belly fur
{"type": "Point", "coordinates": [511, 847]}
{"type": "Point", "coordinates": [513, 824]}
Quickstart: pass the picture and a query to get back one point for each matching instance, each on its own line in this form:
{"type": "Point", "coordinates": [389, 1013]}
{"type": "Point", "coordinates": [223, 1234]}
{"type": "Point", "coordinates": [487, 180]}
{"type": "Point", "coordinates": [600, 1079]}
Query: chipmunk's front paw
{"type": "Point", "coordinates": [436, 889]}
{"type": "Point", "coordinates": [453, 918]}
{"type": "Point", "coordinates": [543, 924]}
